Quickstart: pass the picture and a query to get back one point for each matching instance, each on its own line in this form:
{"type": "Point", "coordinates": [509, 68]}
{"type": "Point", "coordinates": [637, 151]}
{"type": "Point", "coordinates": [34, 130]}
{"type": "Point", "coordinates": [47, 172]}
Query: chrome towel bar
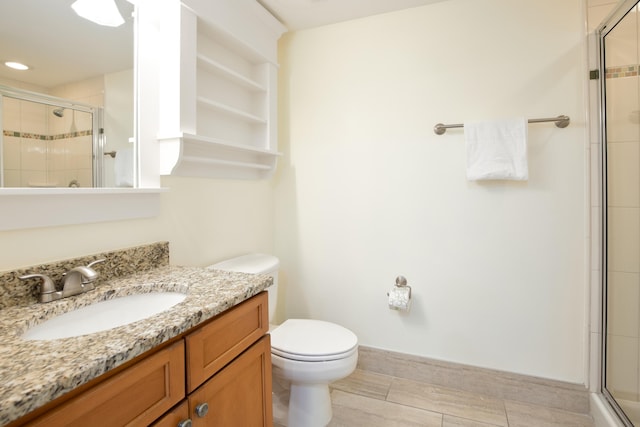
{"type": "Point", "coordinates": [560, 121]}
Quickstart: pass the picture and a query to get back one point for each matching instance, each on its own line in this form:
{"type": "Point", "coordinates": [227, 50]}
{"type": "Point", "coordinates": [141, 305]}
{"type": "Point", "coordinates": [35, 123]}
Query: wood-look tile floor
{"type": "Point", "coordinates": [371, 399]}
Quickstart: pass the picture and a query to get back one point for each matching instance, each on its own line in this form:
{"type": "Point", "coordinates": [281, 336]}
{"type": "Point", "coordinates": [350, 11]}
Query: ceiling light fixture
{"type": "Point", "coordinates": [16, 65]}
{"type": "Point", "coordinates": [103, 12]}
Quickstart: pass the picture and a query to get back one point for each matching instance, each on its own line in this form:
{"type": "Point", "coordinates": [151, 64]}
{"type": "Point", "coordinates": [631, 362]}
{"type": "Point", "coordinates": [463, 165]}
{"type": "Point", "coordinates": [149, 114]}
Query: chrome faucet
{"type": "Point", "coordinates": [76, 281]}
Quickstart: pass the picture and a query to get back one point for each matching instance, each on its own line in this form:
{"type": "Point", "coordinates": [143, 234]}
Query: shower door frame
{"type": "Point", "coordinates": [615, 17]}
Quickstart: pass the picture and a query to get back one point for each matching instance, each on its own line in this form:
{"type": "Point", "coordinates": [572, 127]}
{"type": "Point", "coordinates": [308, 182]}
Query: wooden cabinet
{"type": "Point", "coordinates": [223, 365]}
{"type": "Point", "coordinates": [216, 344]}
{"type": "Point", "coordinates": [135, 396]}
{"type": "Point", "coordinates": [240, 394]}
{"type": "Point", "coordinates": [236, 393]}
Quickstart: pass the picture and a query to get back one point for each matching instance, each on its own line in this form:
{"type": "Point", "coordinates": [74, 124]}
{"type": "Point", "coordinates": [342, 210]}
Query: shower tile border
{"type": "Point", "coordinates": [622, 71]}
{"type": "Point", "coordinates": [494, 383]}
{"type": "Point", "coordinates": [40, 137]}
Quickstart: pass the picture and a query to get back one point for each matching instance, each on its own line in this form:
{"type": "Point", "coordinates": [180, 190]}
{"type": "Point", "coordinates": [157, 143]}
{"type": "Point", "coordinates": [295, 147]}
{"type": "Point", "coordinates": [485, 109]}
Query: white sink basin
{"type": "Point", "coordinates": [104, 315]}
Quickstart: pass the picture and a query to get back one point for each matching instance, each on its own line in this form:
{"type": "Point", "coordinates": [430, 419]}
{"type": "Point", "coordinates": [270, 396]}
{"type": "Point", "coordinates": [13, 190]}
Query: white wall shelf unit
{"type": "Point", "coordinates": [232, 111]}
{"type": "Point", "coordinates": [207, 64]}
{"type": "Point", "coordinates": [218, 112]}
{"type": "Point", "coordinates": [208, 157]}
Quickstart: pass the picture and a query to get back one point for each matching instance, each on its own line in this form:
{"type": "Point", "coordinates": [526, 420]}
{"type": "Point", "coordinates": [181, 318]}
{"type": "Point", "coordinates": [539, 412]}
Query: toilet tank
{"type": "Point", "coordinates": [255, 264]}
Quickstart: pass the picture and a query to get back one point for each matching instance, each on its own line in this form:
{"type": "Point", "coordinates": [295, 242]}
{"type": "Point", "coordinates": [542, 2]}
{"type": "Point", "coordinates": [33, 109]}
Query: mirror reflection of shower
{"type": "Point", "coordinates": [46, 144]}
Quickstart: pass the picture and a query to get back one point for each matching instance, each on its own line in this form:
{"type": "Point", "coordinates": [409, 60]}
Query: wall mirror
{"type": "Point", "coordinates": [68, 121]}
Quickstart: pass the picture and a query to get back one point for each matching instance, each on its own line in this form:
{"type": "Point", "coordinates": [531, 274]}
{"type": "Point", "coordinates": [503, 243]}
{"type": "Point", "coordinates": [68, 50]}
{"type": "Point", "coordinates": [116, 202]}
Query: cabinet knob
{"type": "Point", "coordinates": [202, 409]}
{"type": "Point", "coordinates": [185, 423]}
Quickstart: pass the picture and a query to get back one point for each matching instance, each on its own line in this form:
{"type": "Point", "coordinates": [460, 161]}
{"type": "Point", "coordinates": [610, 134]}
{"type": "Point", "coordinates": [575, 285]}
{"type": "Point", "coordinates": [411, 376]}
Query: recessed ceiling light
{"type": "Point", "coordinates": [16, 65]}
{"type": "Point", "coordinates": [103, 12]}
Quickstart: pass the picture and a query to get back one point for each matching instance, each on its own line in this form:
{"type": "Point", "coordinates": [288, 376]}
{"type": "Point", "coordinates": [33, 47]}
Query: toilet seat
{"type": "Point", "coordinates": [310, 340]}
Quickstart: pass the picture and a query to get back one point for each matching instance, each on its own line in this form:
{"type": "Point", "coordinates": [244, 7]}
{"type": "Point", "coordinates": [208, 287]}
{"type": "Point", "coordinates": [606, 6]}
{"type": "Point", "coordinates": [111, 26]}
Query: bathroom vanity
{"type": "Point", "coordinates": [224, 364]}
{"type": "Point", "coordinates": [206, 359]}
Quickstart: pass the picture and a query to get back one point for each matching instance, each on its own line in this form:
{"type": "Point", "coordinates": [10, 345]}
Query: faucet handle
{"type": "Point", "coordinates": [86, 280]}
{"type": "Point", "coordinates": [46, 287]}
{"type": "Point", "coordinates": [98, 261]}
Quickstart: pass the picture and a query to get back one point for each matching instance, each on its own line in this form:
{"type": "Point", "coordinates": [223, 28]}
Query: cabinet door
{"type": "Point", "coordinates": [240, 394]}
{"type": "Point", "coordinates": [214, 345]}
{"type": "Point", "coordinates": [136, 396]}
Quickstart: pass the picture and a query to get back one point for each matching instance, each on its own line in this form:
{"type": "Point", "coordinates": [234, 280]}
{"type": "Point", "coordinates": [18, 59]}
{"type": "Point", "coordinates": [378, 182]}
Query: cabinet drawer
{"type": "Point", "coordinates": [211, 347]}
{"type": "Point", "coordinates": [179, 414]}
{"type": "Point", "coordinates": [238, 395]}
{"type": "Point", "coordinates": [136, 396]}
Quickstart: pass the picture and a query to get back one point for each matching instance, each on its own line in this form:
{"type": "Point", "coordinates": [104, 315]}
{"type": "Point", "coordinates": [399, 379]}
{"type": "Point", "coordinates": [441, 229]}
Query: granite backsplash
{"type": "Point", "coordinates": [119, 263]}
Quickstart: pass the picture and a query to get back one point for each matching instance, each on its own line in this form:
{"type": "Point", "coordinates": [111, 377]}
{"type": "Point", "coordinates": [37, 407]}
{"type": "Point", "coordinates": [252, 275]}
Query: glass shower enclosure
{"type": "Point", "coordinates": [619, 39]}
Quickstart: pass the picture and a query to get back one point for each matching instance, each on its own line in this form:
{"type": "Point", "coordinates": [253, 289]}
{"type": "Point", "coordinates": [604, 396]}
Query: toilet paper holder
{"type": "Point", "coordinates": [400, 295]}
{"type": "Point", "coordinates": [401, 282]}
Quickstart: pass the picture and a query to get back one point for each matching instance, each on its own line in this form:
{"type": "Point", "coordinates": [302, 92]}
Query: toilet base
{"type": "Point", "coordinates": [309, 405]}
{"type": "Point", "coordinates": [308, 382]}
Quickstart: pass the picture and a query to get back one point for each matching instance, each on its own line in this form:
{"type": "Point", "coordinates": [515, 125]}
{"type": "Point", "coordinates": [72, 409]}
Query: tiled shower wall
{"type": "Point", "coordinates": [41, 149]}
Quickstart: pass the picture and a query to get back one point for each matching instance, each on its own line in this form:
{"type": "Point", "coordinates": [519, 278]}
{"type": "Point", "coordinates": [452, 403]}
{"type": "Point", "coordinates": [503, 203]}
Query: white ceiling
{"type": "Point", "coordinates": [304, 14]}
{"type": "Point", "coordinates": [61, 47]}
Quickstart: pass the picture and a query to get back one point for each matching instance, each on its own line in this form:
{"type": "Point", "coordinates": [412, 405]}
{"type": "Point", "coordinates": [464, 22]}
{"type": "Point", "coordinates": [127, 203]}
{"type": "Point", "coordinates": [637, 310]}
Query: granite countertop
{"type": "Point", "coordinates": [32, 373]}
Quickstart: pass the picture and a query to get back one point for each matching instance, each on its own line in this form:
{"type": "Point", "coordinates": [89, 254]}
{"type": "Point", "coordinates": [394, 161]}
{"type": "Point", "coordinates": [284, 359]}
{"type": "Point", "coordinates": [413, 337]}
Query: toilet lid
{"type": "Point", "coordinates": [312, 340]}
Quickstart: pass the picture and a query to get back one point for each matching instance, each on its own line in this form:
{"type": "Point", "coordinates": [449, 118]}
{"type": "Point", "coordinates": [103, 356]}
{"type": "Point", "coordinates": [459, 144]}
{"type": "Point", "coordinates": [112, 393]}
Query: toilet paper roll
{"type": "Point", "coordinates": [400, 298]}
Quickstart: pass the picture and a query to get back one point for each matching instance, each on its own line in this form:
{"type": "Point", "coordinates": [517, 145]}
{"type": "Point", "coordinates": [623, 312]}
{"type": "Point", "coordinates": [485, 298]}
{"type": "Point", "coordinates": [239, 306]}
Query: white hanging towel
{"type": "Point", "coordinates": [497, 149]}
{"type": "Point", "coordinates": [123, 168]}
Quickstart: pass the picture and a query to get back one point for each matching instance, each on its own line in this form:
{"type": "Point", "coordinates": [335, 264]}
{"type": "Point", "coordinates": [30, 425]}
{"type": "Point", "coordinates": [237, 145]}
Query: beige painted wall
{"type": "Point", "coordinates": [366, 191]}
{"type": "Point", "coordinates": [203, 220]}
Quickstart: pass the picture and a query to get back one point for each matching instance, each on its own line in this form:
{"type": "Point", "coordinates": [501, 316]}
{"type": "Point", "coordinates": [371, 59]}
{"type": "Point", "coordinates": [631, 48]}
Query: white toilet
{"type": "Point", "coordinates": [306, 354]}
